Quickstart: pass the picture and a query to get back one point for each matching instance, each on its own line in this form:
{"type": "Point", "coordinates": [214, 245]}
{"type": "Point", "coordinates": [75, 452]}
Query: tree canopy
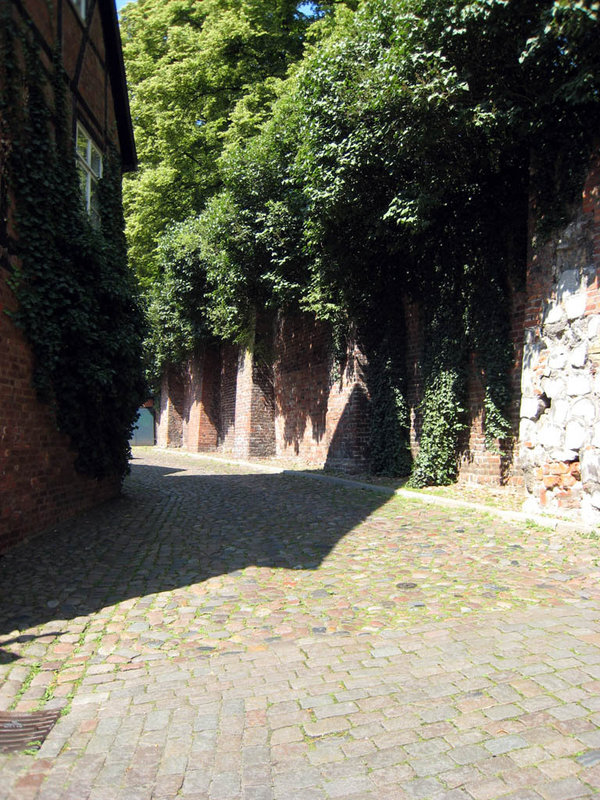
{"type": "Point", "coordinates": [188, 63]}
{"type": "Point", "coordinates": [379, 150]}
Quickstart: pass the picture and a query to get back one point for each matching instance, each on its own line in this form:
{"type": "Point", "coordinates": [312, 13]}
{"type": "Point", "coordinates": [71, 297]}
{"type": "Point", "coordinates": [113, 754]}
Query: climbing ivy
{"type": "Point", "coordinates": [444, 389]}
{"type": "Point", "coordinates": [389, 448]}
{"type": "Point", "coordinates": [77, 302]}
{"type": "Point", "coordinates": [398, 159]}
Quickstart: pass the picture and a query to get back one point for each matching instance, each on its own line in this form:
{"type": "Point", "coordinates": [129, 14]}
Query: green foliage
{"type": "Point", "coordinates": [176, 303]}
{"type": "Point", "coordinates": [442, 407]}
{"type": "Point", "coordinates": [77, 301]}
{"type": "Point", "coordinates": [188, 64]}
{"type": "Point", "coordinates": [422, 122]}
{"type": "Point", "coordinates": [397, 158]}
{"type": "Point", "coordinates": [389, 448]}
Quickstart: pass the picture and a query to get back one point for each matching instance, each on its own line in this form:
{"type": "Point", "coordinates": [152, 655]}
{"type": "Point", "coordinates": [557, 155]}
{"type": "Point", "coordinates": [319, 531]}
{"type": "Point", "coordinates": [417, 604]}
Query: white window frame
{"type": "Point", "coordinates": [89, 166]}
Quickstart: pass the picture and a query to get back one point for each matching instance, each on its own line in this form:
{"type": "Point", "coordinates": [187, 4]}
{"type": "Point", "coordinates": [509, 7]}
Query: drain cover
{"type": "Point", "coordinates": [19, 731]}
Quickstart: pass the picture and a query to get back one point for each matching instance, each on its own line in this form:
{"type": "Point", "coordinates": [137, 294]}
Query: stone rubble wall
{"type": "Point", "coordinates": [560, 382]}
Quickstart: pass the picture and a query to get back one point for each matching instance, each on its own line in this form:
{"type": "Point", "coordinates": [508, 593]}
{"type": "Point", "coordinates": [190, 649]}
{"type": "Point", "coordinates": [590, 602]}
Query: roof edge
{"type": "Point", "coordinates": [118, 80]}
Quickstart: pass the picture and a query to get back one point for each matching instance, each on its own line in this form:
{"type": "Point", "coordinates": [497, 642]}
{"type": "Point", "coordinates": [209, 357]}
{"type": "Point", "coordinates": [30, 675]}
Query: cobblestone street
{"type": "Point", "coordinates": [221, 633]}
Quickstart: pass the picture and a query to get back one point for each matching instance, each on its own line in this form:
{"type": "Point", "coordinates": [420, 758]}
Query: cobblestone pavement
{"type": "Point", "coordinates": [219, 633]}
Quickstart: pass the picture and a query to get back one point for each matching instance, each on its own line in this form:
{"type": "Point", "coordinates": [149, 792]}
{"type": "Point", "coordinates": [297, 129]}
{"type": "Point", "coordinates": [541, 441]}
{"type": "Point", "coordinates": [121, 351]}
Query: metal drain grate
{"type": "Point", "coordinates": [19, 730]}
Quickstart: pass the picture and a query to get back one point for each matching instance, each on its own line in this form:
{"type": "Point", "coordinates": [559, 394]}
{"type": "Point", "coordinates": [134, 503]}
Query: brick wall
{"type": "Point", "coordinates": [319, 418]}
{"type": "Point", "coordinates": [282, 398]}
{"type": "Point", "coordinates": [262, 404]}
{"type": "Point", "coordinates": [302, 388]}
{"type": "Point", "coordinates": [39, 485]}
{"type": "Point", "coordinates": [275, 399]}
{"type": "Point", "coordinates": [414, 374]}
{"type": "Point", "coordinates": [209, 411]}
{"type": "Point", "coordinates": [477, 464]}
{"type": "Point", "coordinates": [229, 357]}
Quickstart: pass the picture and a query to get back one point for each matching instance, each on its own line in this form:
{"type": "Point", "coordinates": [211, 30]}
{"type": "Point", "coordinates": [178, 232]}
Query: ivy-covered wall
{"type": "Point", "coordinates": [70, 321]}
{"type": "Point", "coordinates": [323, 404]}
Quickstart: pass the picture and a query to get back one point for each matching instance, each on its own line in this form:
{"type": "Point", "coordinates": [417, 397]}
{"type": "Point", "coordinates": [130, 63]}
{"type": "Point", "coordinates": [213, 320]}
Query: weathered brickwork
{"type": "Point", "coordinates": [477, 464]}
{"type": "Point", "coordinates": [228, 368]}
{"type": "Point", "coordinates": [39, 484]}
{"type": "Point", "coordinates": [321, 407]}
{"type": "Point", "coordinates": [278, 398]}
{"type": "Point", "coordinates": [283, 398]}
{"type": "Point", "coordinates": [302, 388]}
{"type": "Point", "coordinates": [414, 374]}
{"type": "Point", "coordinates": [560, 406]}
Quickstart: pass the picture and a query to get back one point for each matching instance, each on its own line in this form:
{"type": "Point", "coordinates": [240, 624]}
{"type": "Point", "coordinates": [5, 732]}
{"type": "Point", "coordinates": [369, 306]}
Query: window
{"type": "Point", "coordinates": [81, 6]}
{"type": "Point", "coordinates": [89, 164]}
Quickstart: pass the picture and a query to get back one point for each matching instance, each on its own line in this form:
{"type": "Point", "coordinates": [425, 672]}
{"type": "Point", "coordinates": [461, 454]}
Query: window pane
{"type": "Point", "coordinates": [82, 144]}
{"type": "Point", "coordinates": [80, 6]}
{"type": "Point", "coordinates": [96, 162]}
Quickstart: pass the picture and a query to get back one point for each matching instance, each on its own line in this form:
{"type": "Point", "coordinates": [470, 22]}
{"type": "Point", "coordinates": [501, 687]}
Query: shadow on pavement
{"type": "Point", "coordinates": [172, 528]}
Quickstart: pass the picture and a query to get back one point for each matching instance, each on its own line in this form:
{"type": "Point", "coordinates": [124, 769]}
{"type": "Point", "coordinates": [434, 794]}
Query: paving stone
{"type": "Point", "coordinates": [505, 744]}
{"type": "Point", "coordinates": [224, 785]}
{"type": "Point", "coordinates": [257, 793]}
{"type": "Point", "coordinates": [432, 765]}
{"type": "Point", "coordinates": [299, 778]}
{"type": "Point", "coordinates": [335, 710]}
{"type": "Point", "coordinates": [468, 754]}
{"type": "Point", "coordinates": [424, 788]}
{"type": "Point", "coordinates": [205, 663]}
{"type": "Point", "coordinates": [589, 759]}
{"type": "Point", "coordinates": [502, 712]}
{"type": "Point", "coordinates": [348, 787]}
{"type": "Point", "coordinates": [566, 789]}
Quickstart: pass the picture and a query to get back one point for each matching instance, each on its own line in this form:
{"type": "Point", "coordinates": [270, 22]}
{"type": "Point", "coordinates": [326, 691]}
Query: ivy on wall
{"type": "Point", "coordinates": [77, 302]}
{"type": "Point", "coordinates": [396, 159]}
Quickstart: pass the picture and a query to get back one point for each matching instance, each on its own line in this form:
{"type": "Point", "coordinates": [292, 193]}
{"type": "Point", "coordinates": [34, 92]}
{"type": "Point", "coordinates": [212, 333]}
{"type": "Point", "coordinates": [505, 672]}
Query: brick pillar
{"type": "Point", "coordinates": [169, 427]}
{"type": "Point", "coordinates": [209, 411]}
{"type": "Point", "coordinates": [243, 404]}
{"type": "Point", "coordinates": [254, 398]}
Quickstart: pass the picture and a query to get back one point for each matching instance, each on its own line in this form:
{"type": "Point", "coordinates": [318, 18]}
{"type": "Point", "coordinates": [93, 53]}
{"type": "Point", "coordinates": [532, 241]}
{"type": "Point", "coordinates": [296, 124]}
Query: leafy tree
{"type": "Point", "coordinates": [395, 159]}
{"type": "Point", "coordinates": [176, 309]}
{"type": "Point", "coordinates": [188, 63]}
{"type": "Point", "coordinates": [422, 123]}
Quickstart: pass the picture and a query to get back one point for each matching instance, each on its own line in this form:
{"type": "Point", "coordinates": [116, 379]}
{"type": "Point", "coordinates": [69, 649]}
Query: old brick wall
{"type": "Point", "coordinates": [276, 398]}
{"type": "Point", "coordinates": [162, 413]}
{"type": "Point", "coordinates": [320, 417]}
{"type": "Point", "coordinates": [477, 464]}
{"type": "Point", "coordinates": [302, 388]}
{"type": "Point", "coordinates": [39, 485]}
{"type": "Point", "coordinates": [414, 347]}
{"type": "Point", "coordinates": [560, 407]}
{"type": "Point", "coordinates": [229, 358]}
{"type": "Point", "coordinates": [289, 402]}
{"type": "Point", "coordinates": [262, 411]}
{"type": "Point", "coordinates": [209, 410]}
